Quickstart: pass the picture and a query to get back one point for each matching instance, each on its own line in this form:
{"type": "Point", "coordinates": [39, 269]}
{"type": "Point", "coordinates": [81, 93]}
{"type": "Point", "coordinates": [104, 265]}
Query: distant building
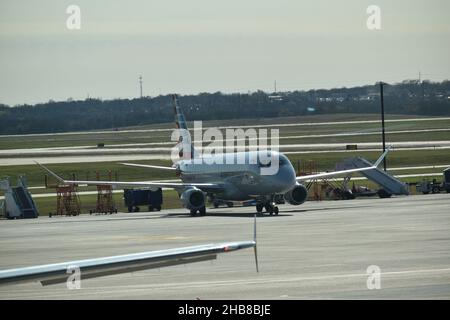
{"type": "Point", "coordinates": [275, 97]}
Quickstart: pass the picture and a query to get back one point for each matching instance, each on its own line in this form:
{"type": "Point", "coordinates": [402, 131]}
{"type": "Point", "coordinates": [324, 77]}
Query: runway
{"type": "Point", "coordinates": [94, 149]}
{"type": "Point", "coordinates": [114, 150]}
{"type": "Point", "coordinates": [159, 147]}
{"type": "Point", "coordinates": [74, 155]}
{"type": "Point", "coordinates": [320, 250]}
{"type": "Point", "coordinates": [297, 122]}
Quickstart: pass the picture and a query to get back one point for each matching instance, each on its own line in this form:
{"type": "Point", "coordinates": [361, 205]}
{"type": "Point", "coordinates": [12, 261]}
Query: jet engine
{"type": "Point", "coordinates": [296, 195]}
{"type": "Point", "coordinates": [193, 198]}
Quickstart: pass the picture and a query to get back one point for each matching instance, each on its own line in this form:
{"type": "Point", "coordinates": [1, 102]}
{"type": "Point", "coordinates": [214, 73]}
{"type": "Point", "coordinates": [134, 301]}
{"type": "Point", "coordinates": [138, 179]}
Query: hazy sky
{"type": "Point", "coordinates": [206, 46]}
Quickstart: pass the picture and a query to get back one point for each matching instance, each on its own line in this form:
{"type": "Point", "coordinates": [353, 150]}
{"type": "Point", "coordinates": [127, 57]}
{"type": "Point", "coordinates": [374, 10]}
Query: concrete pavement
{"type": "Point", "coordinates": [319, 250]}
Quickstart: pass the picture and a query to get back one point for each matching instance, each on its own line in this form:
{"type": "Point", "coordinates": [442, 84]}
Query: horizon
{"type": "Point", "coordinates": [70, 99]}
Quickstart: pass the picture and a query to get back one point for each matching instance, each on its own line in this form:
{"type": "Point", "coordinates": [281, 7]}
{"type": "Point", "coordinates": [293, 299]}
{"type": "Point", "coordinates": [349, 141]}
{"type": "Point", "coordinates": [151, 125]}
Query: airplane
{"type": "Point", "coordinates": [98, 267]}
{"type": "Point", "coordinates": [222, 181]}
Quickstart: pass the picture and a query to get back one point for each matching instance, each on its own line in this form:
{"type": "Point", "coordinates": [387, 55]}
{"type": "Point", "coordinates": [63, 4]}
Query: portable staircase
{"type": "Point", "coordinates": [18, 202]}
{"type": "Point", "coordinates": [389, 185]}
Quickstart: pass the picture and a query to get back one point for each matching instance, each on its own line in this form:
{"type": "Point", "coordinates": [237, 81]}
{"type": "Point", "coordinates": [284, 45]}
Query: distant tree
{"type": "Point", "coordinates": [407, 97]}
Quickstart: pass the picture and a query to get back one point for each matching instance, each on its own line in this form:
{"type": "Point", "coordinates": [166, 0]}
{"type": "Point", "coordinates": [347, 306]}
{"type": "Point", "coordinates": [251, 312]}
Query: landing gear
{"type": "Point", "coordinates": [201, 211]}
{"type": "Point", "coordinates": [275, 210]}
{"type": "Point", "coordinates": [259, 207]}
{"type": "Point", "coordinates": [270, 208]}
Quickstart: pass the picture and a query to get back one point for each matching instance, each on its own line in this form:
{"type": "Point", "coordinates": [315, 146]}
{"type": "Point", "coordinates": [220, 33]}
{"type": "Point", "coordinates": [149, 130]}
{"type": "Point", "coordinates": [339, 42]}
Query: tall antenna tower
{"type": "Point", "coordinates": [140, 84]}
{"type": "Point", "coordinates": [275, 86]}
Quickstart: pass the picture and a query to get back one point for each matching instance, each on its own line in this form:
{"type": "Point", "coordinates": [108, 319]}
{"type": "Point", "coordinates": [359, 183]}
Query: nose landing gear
{"type": "Point", "coordinates": [270, 207]}
{"type": "Point", "coordinates": [259, 207]}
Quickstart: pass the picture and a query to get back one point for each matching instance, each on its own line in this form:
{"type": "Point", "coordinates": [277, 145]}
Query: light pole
{"type": "Point", "coordinates": [382, 122]}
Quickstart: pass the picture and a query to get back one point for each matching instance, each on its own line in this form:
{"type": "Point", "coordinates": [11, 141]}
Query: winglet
{"type": "Point", "coordinates": [380, 159]}
{"type": "Point", "coordinates": [254, 240]}
{"type": "Point", "coordinates": [50, 172]}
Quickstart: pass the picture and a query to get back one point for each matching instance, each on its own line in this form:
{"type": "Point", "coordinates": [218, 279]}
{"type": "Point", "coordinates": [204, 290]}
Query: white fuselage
{"type": "Point", "coordinates": [243, 174]}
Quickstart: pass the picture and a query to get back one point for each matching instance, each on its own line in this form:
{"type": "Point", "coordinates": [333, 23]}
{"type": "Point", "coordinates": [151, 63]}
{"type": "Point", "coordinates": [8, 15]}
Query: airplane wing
{"type": "Point", "coordinates": [92, 268]}
{"type": "Point", "coordinates": [142, 184]}
{"type": "Point", "coordinates": [148, 166]}
{"type": "Point", "coordinates": [98, 267]}
{"type": "Point", "coordinates": [344, 172]}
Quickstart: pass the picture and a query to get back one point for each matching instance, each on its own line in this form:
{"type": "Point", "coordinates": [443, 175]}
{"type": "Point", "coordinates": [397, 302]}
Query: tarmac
{"type": "Point", "coordinates": [319, 250]}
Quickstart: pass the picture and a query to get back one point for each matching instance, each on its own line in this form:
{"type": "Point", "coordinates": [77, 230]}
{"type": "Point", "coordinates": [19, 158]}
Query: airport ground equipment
{"type": "Point", "coordinates": [218, 202]}
{"type": "Point", "coordinates": [18, 202]}
{"type": "Point", "coordinates": [447, 180]}
{"type": "Point", "coordinates": [362, 191]}
{"type": "Point", "coordinates": [427, 187]}
{"type": "Point", "coordinates": [314, 187]}
{"type": "Point", "coordinates": [339, 190]}
{"type": "Point", "coordinates": [388, 184]}
{"type": "Point", "coordinates": [67, 200]}
{"type": "Point", "coordinates": [143, 197]}
{"type": "Point", "coordinates": [318, 188]}
{"type": "Point", "coordinates": [2, 208]}
{"type": "Point", "coordinates": [323, 187]}
{"type": "Point", "coordinates": [105, 201]}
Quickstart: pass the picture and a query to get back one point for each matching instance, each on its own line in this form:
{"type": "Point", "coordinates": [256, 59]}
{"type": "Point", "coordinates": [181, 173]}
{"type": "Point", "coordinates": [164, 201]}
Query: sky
{"type": "Point", "coordinates": [207, 46]}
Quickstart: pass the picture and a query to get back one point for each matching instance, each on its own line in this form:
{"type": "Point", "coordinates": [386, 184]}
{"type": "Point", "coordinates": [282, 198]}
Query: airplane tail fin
{"type": "Point", "coordinates": [185, 145]}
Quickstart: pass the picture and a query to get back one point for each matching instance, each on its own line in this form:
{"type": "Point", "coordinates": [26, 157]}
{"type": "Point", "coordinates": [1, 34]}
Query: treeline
{"type": "Point", "coordinates": [408, 97]}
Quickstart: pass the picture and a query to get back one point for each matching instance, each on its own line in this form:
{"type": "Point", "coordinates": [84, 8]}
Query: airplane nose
{"type": "Point", "coordinates": [285, 179]}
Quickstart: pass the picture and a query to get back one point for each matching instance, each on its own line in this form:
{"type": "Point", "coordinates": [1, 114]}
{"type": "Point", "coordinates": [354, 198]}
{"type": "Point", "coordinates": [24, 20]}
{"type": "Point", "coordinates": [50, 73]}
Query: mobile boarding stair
{"type": "Point", "coordinates": [388, 184]}
{"type": "Point", "coordinates": [18, 202]}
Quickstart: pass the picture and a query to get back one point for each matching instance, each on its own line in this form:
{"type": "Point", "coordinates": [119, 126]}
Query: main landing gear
{"type": "Point", "coordinates": [270, 207]}
{"type": "Point", "coordinates": [201, 211]}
